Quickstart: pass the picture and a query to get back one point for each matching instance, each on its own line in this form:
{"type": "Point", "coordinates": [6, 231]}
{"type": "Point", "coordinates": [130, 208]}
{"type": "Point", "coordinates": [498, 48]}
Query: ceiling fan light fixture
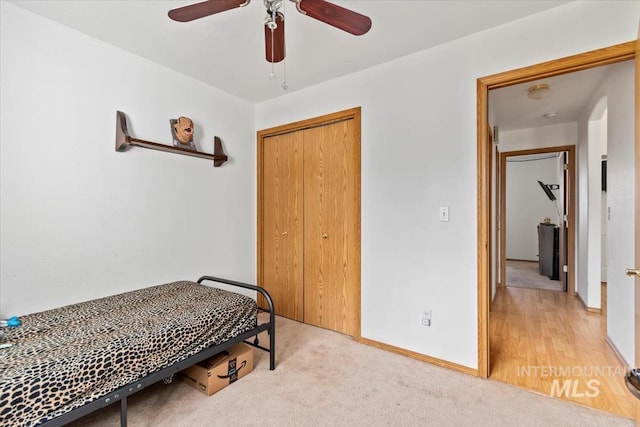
{"type": "Point", "coordinates": [539, 91]}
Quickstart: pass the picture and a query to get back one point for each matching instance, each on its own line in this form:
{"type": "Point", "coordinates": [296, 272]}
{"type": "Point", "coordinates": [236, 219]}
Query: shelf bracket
{"type": "Point", "coordinates": [124, 141]}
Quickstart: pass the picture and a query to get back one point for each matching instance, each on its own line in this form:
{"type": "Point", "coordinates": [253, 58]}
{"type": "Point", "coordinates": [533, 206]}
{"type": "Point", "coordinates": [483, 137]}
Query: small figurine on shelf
{"type": "Point", "coordinates": [182, 132]}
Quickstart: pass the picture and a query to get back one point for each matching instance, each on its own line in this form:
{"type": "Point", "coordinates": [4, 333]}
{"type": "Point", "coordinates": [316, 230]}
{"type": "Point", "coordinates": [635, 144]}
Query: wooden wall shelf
{"type": "Point", "coordinates": [124, 141]}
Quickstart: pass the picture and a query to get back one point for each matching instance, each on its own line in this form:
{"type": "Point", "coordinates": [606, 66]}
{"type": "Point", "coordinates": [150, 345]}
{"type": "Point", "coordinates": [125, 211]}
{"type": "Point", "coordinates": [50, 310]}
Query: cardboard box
{"type": "Point", "coordinates": [220, 370]}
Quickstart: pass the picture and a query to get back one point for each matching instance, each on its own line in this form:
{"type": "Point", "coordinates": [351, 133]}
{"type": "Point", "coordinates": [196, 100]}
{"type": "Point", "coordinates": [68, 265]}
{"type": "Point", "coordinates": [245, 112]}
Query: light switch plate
{"type": "Point", "coordinates": [444, 213]}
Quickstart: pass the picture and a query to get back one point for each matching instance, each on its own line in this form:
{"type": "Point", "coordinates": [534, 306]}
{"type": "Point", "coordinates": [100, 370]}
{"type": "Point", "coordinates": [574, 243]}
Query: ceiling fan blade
{"type": "Point", "coordinates": [337, 16]}
{"type": "Point", "coordinates": [274, 41]}
{"type": "Point", "coordinates": [202, 9]}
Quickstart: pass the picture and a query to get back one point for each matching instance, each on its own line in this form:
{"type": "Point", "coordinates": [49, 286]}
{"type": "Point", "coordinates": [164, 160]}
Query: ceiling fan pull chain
{"type": "Point", "coordinates": [284, 85]}
{"type": "Point", "coordinates": [273, 73]}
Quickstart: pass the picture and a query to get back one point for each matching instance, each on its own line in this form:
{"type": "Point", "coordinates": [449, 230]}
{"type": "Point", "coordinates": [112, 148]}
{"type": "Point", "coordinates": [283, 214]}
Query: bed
{"type": "Point", "coordinates": [70, 361]}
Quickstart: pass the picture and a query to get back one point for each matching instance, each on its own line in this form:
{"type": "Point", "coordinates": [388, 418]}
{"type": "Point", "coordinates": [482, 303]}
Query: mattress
{"type": "Point", "coordinates": [64, 358]}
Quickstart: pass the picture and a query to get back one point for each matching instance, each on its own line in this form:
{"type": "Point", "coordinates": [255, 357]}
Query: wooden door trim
{"type": "Point", "coordinates": [327, 119]}
{"type": "Point", "coordinates": [564, 235]}
{"type": "Point", "coordinates": [502, 207]}
{"type": "Point", "coordinates": [570, 208]}
{"type": "Point", "coordinates": [489, 167]}
{"type": "Point", "coordinates": [637, 214]}
{"type": "Point", "coordinates": [608, 55]}
{"type": "Point", "coordinates": [500, 242]}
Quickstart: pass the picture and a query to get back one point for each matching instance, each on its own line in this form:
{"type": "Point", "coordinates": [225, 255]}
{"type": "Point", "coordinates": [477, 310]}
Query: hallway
{"type": "Point", "coordinates": [547, 342]}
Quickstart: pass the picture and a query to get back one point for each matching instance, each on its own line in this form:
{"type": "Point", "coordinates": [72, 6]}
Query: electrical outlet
{"type": "Point", "coordinates": [426, 318]}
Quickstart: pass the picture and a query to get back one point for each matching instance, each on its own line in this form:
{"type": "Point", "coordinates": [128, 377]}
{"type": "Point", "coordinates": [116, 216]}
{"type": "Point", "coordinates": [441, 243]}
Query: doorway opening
{"type": "Point", "coordinates": [536, 227]}
{"type": "Point", "coordinates": [489, 277]}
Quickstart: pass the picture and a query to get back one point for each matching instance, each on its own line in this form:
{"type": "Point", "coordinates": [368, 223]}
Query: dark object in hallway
{"type": "Point", "coordinates": [549, 250]}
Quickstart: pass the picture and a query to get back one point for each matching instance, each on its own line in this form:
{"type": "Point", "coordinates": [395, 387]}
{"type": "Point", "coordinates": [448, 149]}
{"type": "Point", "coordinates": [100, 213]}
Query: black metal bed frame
{"type": "Point", "coordinates": [121, 394]}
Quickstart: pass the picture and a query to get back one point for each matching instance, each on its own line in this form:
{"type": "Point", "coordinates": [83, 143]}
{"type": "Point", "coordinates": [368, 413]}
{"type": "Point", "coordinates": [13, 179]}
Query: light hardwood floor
{"type": "Point", "coordinates": [547, 342]}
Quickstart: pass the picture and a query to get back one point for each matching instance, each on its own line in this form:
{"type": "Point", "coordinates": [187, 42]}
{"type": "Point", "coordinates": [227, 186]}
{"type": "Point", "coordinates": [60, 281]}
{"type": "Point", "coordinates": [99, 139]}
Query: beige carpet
{"type": "Point", "coordinates": [323, 378]}
{"type": "Point", "coordinates": [525, 274]}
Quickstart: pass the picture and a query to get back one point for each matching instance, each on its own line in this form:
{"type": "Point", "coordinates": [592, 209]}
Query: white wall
{"type": "Point", "coordinates": [79, 220]}
{"type": "Point", "coordinates": [539, 137]}
{"type": "Point", "coordinates": [421, 111]}
{"type": "Point", "coordinates": [526, 203]}
{"type": "Point", "coordinates": [617, 88]}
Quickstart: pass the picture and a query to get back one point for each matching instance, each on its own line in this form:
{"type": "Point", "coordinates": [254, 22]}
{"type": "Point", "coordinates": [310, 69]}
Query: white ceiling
{"type": "Point", "coordinates": [226, 50]}
{"type": "Point", "coordinates": [511, 109]}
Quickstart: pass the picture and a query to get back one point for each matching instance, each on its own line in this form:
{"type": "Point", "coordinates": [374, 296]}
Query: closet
{"type": "Point", "coordinates": [309, 220]}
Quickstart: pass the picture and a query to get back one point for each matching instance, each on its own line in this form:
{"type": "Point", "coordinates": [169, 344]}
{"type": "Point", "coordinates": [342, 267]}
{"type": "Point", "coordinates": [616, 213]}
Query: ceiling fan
{"type": "Point", "coordinates": [329, 13]}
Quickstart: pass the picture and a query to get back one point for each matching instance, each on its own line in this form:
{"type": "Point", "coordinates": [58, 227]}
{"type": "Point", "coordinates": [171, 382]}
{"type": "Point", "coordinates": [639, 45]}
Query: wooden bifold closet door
{"type": "Point", "coordinates": [282, 223]}
{"type": "Point", "coordinates": [309, 221]}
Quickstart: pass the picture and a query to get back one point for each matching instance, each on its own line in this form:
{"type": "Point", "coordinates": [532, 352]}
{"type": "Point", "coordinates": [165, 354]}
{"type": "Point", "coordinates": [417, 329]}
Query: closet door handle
{"type": "Point", "coordinates": [325, 235]}
{"type": "Point", "coordinates": [285, 234]}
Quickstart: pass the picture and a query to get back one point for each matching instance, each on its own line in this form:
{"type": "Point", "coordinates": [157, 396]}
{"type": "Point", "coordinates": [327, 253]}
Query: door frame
{"type": "Point", "coordinates": [327, 119]}
{"type": "Point", "coordinates": [569, 208]}
{"type": "Point", "coordinates": [637, 213]}
{"type": "Point", "coordinates": [608, 55]}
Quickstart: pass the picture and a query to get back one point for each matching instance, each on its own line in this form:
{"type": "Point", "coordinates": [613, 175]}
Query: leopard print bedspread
{"type": "Point", "coordinates": [64, 358]}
